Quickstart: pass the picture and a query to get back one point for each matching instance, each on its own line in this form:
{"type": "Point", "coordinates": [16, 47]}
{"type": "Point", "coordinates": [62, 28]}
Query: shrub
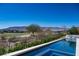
{"type": "Point", "coordinates": [20, 46]}
{"type": "Point", "coordinates": [2, 50]}
{"type": "Point", "coordinates": [73, 30]}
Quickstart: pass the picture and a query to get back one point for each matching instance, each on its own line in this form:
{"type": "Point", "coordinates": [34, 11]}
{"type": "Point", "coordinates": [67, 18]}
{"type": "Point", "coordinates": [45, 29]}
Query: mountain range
{"type": "Point", "coordinates": [24, 28]}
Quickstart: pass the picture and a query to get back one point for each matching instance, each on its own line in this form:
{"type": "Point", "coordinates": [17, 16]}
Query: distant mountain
{"type": "Point", "coordinates": [17, 28]}
{"type": "Point", "coordinates": [55, 28]}
{"type": "Point", "coordinates": [23, 28]}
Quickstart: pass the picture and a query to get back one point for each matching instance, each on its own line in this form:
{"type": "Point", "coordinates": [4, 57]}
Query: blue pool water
{"type": "Point", "coordinates": [59, 48]}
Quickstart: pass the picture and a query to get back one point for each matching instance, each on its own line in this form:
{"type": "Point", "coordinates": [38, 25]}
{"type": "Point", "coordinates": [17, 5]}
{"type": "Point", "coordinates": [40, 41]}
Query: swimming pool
{"type": "Point", "coordinates": [59, 48]}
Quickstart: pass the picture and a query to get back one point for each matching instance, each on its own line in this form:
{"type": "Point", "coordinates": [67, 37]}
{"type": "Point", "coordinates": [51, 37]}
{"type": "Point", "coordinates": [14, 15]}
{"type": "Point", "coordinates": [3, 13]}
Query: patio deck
{"type": "Point", "coordinates": [77, 47]}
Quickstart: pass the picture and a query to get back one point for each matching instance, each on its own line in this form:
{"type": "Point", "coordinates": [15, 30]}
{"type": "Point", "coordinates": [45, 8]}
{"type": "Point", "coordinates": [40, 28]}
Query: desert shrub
{"type": "Point", "coordinates": [2, 50]}
{"type": "Point", "coordinates": [20, 46]}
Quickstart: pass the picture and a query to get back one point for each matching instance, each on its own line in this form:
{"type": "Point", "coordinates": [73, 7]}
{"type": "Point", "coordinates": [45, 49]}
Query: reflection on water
{"type": "Point", "coordinates": [72, 44]}
{"type": "Point", "coordinates": [64, 47]}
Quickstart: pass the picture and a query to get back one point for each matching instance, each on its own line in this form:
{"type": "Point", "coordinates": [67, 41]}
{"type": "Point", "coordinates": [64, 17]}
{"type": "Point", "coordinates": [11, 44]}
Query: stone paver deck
{"type": "Point", "coordinates": [77, 47]}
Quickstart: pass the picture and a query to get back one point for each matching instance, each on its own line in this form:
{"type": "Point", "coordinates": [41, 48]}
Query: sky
{"type": "Point", "coordinates": [43, 14]}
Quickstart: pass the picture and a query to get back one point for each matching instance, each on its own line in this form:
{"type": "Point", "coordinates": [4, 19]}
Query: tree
{"type": "Point", "coordinates": [33, 28]}
{"type": "Point", "coordinates": [73, 30]}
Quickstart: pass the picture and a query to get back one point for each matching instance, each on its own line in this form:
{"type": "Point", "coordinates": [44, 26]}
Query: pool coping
{"type": "Point", "coordinates": [31, 48]}
{"type": "Point", "coordinates": [77, 47]}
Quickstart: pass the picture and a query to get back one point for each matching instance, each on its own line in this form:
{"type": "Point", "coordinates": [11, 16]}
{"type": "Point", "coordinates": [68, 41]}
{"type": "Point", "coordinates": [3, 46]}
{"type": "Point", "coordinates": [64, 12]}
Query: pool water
{"type": "Point", "coordinates": [59, 48]}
